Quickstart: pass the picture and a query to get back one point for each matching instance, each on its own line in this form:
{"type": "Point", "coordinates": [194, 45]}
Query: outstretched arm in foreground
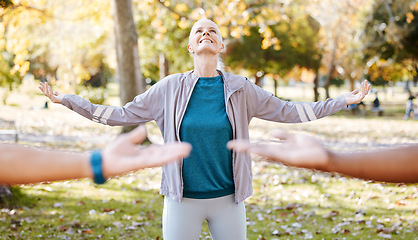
{"type": "Point", "coordinates": [21, 165]}
{"type": "Point", "coordinates": [388, 165]}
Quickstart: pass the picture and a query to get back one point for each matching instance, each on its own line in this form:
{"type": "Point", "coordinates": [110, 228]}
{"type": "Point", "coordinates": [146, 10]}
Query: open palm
{"type": "Point", "coordinates": [55, 96]}
{"type": "Point", "coordinates": [123, 154]}
{"type": "Point", "coordinates": [357, 96]}
{"type": "Point", "coordinates": [295, 150]}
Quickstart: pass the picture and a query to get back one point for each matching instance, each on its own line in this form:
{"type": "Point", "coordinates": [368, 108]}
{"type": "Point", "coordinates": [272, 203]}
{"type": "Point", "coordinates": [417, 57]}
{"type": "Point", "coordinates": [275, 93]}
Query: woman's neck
{"type": "Point", "coordinates": [205, 66]}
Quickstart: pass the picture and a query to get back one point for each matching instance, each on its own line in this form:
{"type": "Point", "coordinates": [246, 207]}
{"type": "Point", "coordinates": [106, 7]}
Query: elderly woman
{"type": "Point", "coordinates": [206, 107]}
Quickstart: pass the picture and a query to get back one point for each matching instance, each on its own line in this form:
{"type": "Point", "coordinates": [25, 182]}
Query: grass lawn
{"type": "Point", "coordinates": [287, 203]}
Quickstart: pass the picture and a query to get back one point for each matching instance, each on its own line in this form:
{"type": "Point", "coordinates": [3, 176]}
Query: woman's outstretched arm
{"type": "Point", "coordinates": [264, 105]}
{"type": "Point", "coordinates": [132, 113]}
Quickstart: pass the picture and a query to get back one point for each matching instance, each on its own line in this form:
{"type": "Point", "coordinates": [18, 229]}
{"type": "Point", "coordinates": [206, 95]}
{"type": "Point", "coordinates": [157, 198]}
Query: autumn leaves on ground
{"type": "Point", "coordinates": [287, 203]}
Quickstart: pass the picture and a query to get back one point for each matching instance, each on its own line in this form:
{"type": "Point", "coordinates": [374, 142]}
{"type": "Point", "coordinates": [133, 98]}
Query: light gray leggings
{"type": "Point", "coordinates": [183, 221]}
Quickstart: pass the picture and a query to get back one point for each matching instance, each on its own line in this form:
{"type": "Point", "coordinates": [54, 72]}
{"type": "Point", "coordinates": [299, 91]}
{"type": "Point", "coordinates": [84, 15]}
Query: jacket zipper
{"type": "Point", "coordinates": [178, 131]}
{"type": "Point", "coordinates": [227, 97]}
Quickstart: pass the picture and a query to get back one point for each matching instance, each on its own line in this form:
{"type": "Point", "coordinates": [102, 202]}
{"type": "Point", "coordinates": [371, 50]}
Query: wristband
{"type": "Point", "coordinates": [96, 167]}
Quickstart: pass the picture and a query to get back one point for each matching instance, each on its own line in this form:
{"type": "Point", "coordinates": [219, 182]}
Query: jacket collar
{"type": "Point", "coordinates": [232, 82]}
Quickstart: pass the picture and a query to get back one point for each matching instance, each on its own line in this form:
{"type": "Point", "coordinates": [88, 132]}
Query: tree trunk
{"type": "Point", "coordinates": [330, 71]}
{"type": "Point", "coordinates": [352, 87]}
{"type": "Point", "coordinates": [258, 78]}
{"type": "Point", "coordinates": [5, 194]}
{"type": "Point", "coordinates": [128, 71]}
{"type": "Point", "coordinates": [276, 85]}
{"type": "Point", "coordinates": [316, 86]}
{"type": "Point", "coordinates": [163, 66]}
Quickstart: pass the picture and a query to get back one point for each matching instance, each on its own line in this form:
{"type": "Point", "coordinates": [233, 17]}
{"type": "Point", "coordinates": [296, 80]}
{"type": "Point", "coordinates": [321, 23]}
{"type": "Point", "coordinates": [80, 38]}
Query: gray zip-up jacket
{"type": "Point", "coordinates": [166, 103]}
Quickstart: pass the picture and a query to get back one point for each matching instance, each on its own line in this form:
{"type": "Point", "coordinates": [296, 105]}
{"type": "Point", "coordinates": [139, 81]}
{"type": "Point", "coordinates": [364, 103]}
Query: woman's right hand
{"type": "Point", "coordinates": [55, 96]}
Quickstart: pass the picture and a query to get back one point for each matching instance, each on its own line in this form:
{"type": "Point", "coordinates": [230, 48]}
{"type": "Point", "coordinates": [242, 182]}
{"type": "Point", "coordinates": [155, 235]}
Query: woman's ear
{"type": "Point", "coordinates": [222, 48]}
{"type": "Point", "coordinates": [190, 48]}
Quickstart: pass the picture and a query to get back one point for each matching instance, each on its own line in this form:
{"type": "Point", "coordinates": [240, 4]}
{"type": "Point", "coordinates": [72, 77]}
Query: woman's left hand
{"type": "Point", "coordinates": [357, 96]}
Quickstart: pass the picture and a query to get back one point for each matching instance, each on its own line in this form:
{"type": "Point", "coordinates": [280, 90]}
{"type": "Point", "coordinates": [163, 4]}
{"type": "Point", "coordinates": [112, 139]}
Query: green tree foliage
{"type": "Point", "coordinates": [341, 25]}
{"type": "Point", "coordinates": [6, 3]}
{"type": "Point", "coordinates": [295, 44]}
{"type": "Point", "coordinates": [392, 30]}
{"type": "Point", "coordinates": [164, 27]}
{"type": "Point", "coordinates": [64, 39]}
{"type": "Point", "coordinates": [392, 40]}
{"type": "Point", "coordinates": [7, 79]}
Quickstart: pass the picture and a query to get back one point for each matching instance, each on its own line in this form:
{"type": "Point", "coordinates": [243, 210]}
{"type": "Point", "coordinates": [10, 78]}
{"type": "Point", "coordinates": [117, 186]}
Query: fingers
{"type": "Point", "coordinates": [155, 156]}
{"type": "Point", "coordinates": [281, 134]}
{"type": "Point", "coordinates": [276, 153]}
{"type": "Point", "coordinates": [137, 136]}
{"type": "Point", "coordinates": [46, 89]}
{"type": "Point", "coordinates": [238, 145]}
{"type": "Point", "coordinates": [49, 90]}
{"type": "Point", "coordinates": [180, 150]}
{"type": "Point", "coordinates": [355, 91]}
{"type": "Point", "coordinates": [243, 145]}
{"type": "Point", "coordinates": [267, 151]}
{"type": "Point", "coordinates": [365, 87]}
{"type": "Point", "coordinates": [42, 87]}
{"type": "Point", "coordinates": [271, 152]}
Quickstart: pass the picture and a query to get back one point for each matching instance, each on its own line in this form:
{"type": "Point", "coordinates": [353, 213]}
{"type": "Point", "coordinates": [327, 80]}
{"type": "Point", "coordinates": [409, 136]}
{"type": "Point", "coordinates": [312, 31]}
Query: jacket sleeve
{"type": "Point", "coordinates": [133, 113]}
{"type": "Point", "coordinates": [264, 105]}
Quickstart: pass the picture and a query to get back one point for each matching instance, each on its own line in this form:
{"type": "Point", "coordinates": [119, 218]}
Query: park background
{"type": "Point", "coordinates": [302, 50]}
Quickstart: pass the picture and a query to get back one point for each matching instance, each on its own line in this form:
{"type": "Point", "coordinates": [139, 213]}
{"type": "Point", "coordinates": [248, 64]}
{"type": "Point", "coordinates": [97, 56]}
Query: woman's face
{"type": "Point", "coordinates": [205, 38]}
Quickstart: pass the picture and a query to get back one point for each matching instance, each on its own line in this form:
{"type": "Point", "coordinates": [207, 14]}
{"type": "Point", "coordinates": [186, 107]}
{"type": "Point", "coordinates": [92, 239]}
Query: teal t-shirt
{"type": "Point", "coordinates": [207, 172]}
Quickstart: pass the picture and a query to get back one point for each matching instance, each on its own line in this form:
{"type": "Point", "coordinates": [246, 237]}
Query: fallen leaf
{"type": "Point", "coordinates": [150, 216]}
{"type": "Point", "coordinates": [291, 206]}
{"type": "Point", "coordinates": [76, 224]}
{"type": "Point", "coordinates": [107, 209]}
{"type": "Point", "coordinates": [62, 228]}
{"type": "Point", "coordinates": [331, 214]}
{"type": "Point", "coordinates": [412, 196]}
{"type": "Point", "coordinates": [88, 231]}
{"type": "Point", "coordinates": [361, 221]}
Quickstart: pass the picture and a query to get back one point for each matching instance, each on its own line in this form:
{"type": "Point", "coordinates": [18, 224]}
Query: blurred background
{"type": "Point", "coordinates": [109, 51]}
{"type": "Point", "coordinates": [85, 47]}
